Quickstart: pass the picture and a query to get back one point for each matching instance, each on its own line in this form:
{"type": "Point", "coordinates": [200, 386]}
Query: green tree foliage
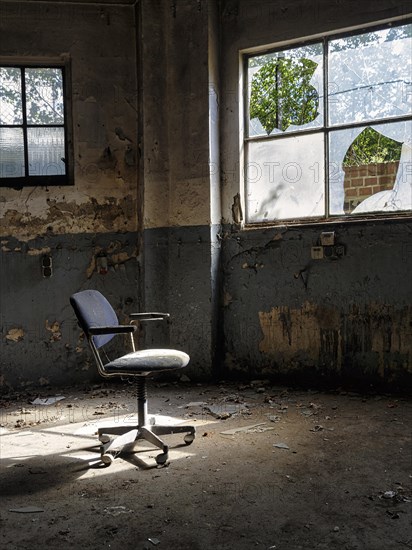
{"type": "Point", "coordinates": [44, 95]}
{"type": "Point", "coordinates": [281, 94]}
{"type": "Point", "coordinates": [372, 147]}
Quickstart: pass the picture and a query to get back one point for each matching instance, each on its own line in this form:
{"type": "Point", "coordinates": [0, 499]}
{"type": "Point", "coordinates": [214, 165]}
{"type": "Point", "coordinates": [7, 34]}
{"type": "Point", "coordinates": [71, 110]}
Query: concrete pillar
{"type": "Point", "coordinates": [180, 173]}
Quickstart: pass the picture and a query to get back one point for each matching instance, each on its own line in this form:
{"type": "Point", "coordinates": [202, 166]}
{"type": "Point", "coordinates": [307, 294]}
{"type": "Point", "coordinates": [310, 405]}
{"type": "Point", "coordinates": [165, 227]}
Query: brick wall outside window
{"type": "Point", "coordinates": [363, 181]}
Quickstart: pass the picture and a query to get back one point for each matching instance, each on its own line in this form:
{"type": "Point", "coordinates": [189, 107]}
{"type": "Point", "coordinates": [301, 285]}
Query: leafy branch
{"type": "Point", "coordinates": [281, 94]}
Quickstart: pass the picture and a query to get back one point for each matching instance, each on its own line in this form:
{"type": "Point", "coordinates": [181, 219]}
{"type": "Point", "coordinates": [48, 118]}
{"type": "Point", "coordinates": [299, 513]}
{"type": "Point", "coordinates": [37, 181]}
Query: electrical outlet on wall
{"type": "Point", "coordinates": [316, 252]}
{"type": "Point", "coordinates": [327, 238]}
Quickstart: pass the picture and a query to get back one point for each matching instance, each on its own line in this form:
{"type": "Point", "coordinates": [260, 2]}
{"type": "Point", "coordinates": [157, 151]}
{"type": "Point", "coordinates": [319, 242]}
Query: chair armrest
{"type": "Point", "coordinates": [152, 316]}
{"type": "Point", "coordinates": [116, 329]}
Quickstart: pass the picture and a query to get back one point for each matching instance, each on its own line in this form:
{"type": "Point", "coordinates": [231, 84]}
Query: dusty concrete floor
{"type": "Point", "coordinates": [308, 470]}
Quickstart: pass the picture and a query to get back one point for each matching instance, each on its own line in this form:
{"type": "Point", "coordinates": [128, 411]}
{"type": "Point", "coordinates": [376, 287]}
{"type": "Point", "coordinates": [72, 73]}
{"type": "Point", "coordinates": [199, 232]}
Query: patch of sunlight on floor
{"type": "Point", "coordinates": [79, 441]}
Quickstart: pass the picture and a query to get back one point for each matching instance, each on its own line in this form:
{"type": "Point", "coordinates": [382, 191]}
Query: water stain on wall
{"type": "Point", "coordinates": [333, 340]}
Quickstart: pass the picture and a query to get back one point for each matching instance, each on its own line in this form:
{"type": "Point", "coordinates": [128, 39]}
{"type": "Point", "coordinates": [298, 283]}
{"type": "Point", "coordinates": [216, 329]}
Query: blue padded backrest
{"type": "Point", "coordinates": [93, 310]}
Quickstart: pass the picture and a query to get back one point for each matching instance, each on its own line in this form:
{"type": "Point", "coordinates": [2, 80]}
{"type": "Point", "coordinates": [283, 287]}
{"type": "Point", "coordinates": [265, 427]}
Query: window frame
{"type": "Point", "coordinates": [43, 180]}
{"type": "Point", "coordinates": [325, 128]}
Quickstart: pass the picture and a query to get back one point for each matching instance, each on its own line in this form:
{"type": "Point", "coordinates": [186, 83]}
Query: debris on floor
{"type": "Point", "coordinates": [281, 445]}
{"type": "Point", "coordinates": [27, 510]}
{"type": "Point", "coordinates": [254, 428]}
{"type": "Point", "coordinates": [239, 486]}
{"type": "Point", "coordinates": [47, 400]}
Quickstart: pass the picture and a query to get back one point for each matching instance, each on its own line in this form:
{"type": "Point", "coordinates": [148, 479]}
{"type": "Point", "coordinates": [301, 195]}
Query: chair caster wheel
{"type": "Point", "coordinates": [104, 438]}
{"type": "Point", "coordinates": [161, 459]}
{"type": "Point", "coordinates": [189, 438]}
{"type": "Point", "coordinates": [107, 459]}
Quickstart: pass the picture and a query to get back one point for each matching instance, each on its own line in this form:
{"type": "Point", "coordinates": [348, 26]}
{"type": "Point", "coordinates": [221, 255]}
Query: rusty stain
{"type": "Point", "coordinates": [287, 331]}
{"type": "Point", "coordinates": [324, 335]}
{"type": "Point", "coordinates": [54, 328]}
{"type": "Point", "coordinates": [15, 334]}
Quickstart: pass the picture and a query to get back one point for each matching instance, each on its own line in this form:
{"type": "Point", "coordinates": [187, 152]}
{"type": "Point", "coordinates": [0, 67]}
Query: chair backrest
{"type": "Point", "coordinates": [93, 310]}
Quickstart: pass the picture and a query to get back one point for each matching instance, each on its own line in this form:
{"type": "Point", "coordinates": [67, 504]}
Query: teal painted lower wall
{"type": "Point", "coordinates": [243, 304]}
{"type": "Point", "coordinates": [41, 343]}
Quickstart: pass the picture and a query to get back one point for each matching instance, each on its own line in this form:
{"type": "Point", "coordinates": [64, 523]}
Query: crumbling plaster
{"type": "Point", "coordinates": [281, 314]}
{"type": "Point", "coordinates": [73, 225]}
{"type": "Point", "coordinates": [99, 42]}
{"type": "Point", "coordinates": [175, 114]}
{"type": "Point", "coordinates": [290, 317]}
{"type": "Point", "coordinates": [285, 315]}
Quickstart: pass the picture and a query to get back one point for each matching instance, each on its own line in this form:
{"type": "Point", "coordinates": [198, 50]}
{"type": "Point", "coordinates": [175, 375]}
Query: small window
{"type": "Point", "coordinates": [327, 129]}
{"type": "Point", "coordinates": [34, 141]}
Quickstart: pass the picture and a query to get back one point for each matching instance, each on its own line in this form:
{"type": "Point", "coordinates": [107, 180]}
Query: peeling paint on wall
{"type": "Point", "coordinates": [114, 258]}
{"type": "Point", "coordinates": [237, 212]}
{"type": "Point", "coordinates": [61, 217]}
{"type": "Point", "coordinates": [15, 334]}
{"type": "Point", "coordinates": [38, 251]}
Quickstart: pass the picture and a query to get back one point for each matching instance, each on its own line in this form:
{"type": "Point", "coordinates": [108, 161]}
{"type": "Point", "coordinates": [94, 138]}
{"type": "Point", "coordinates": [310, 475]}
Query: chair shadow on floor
{"type": "Point", "coordinates": [23, 476]}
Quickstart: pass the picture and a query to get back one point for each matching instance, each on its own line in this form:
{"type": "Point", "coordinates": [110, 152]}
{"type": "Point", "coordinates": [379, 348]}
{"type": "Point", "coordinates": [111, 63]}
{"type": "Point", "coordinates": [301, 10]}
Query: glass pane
{"type": "Point", "coordinates": [10, 96]}
{"type": "Point", "coordinates": [285, 90]}
{"type": "Point", "coordinates": [11, 153]}
{"type": "Point", "coordinates": [44, 96]}
{"type": "Point", "coordinates": [370, 169]}
{"type": "Point", "coordinates": [46, 151]}
{"type": "Point", "coordinates": [285, 178]}
{"type": "Point", "coordinates": [370, 76]}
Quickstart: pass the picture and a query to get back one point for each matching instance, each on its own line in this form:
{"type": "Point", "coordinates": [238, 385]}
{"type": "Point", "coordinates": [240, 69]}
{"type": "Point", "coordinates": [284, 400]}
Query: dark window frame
{"type": "Point", "coordinates": [43, 180]}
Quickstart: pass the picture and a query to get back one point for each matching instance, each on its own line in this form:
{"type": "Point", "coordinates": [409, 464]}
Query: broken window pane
{"type": "Point", "coordinates": [285, 178]}
{"type": "Point", "coordinates": [364, 129]}
{"type": "Point", "coordinates": [285, 90]}
{"type": "Point", "coordinates": [46, 151]}
{"type": "Point", "coordinates": [10, 96]}
{"type": "Point", "coordinates": [44, 93]}
{"type": "Point", "coordinates": [370, 76]}
{"type": "Point", "coordinates": [383, 182]}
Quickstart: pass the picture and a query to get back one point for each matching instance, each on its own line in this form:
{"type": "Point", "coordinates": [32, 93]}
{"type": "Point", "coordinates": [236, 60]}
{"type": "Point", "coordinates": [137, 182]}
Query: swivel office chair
{"type": "Point", "coordinates": [100, 324]}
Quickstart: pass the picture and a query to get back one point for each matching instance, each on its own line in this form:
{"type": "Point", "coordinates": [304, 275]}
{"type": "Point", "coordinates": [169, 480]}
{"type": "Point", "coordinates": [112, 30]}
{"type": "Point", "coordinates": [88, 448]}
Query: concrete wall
{"type": "Point", "coordinates": [72, 224]}
{"type": "Point", "coordinates": [179, 76]}
{"type": "Point", "coordinates": [287, 316]}
{"type": "Point", "coordinates": [158, 190]}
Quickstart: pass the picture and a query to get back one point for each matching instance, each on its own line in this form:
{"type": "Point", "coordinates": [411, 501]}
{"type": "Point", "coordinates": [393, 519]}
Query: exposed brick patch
{"type": "Point", "coordinates": [363, 181]}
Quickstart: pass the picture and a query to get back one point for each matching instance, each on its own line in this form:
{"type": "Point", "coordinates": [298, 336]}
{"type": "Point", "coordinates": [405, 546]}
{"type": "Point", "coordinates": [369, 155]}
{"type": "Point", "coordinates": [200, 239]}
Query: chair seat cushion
{"type": "Point", "coordinates": [148, 360]}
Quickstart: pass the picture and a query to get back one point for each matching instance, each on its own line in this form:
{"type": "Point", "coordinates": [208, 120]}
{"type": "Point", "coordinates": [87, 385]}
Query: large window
{"type": "Point", "coordinates": [327, 128]}
{"type": "Point", "coordinates": [33, 126]}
